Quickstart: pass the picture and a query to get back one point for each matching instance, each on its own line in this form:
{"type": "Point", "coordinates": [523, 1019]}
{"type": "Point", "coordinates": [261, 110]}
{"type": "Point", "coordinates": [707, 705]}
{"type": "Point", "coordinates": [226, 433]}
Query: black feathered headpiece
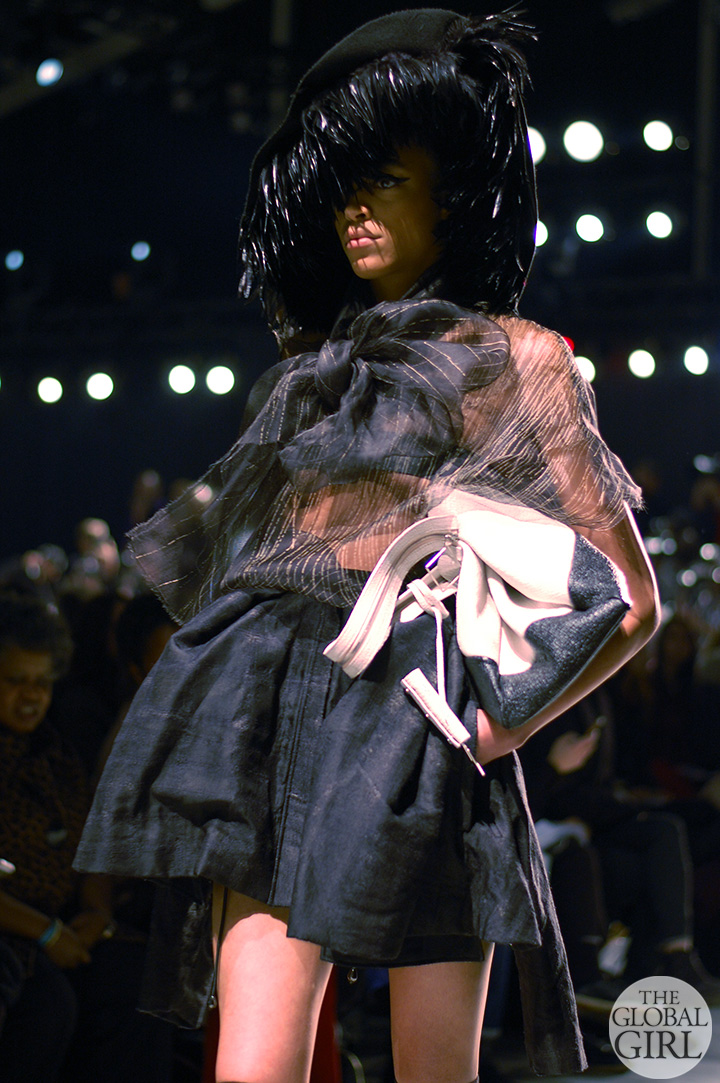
{"type": "Point", "coordinates": [449, 83]}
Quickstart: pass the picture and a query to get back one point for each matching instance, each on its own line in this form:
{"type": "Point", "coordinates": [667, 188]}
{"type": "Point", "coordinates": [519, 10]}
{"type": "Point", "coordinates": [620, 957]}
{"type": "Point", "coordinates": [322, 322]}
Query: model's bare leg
{"type": "Point", "coordinates": [436, 1013]}
{"type": "Point", "coordinates": [270, 989]}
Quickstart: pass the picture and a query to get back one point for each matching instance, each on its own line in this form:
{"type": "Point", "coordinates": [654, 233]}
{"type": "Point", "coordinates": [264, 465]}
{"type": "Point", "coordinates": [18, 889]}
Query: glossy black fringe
{"type": "Point", "coordinates": [464, 104]}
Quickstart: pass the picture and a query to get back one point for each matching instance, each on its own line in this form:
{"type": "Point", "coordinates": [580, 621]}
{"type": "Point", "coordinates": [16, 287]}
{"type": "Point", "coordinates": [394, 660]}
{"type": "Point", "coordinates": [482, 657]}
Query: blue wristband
{"type": "Point", "coordinates": [51, 934]}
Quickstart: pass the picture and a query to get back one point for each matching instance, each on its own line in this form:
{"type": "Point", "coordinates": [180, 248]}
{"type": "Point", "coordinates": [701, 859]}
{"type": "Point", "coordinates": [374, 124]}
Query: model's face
{"type": "Point", "coordinates": [387, 227]}
{"type": "Point", "coordinates": [26, 683]}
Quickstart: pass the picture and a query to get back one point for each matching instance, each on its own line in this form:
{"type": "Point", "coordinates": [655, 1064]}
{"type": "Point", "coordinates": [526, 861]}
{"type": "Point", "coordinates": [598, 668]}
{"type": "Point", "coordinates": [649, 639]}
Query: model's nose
{"type": "Point", "coordinates": [355, 209]}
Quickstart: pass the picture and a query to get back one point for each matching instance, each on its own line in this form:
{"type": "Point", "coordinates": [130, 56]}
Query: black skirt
{"type": "Point", "coordinates": [250, 760]}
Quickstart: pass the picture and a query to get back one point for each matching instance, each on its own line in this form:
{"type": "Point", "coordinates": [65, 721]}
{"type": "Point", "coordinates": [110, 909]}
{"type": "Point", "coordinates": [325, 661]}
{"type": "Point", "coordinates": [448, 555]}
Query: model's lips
{"type": "Point", "coordinates": [359, 239]}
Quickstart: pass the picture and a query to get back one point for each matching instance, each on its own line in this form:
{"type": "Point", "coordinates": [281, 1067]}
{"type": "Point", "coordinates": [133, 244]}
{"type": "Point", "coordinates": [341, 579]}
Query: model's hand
{"type": "Point", "coordinates": [571, 751]}
{"type": "Point", "coordinates": [68, 951]}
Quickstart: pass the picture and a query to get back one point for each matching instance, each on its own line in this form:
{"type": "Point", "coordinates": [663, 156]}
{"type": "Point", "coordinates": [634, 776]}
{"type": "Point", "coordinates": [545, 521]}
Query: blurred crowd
{"type": "Point", "coordinates": [625, 789]}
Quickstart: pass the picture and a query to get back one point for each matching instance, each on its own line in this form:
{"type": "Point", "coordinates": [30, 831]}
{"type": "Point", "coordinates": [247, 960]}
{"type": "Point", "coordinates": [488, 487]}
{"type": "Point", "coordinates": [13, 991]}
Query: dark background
{"type": "Point", "coordinates": [149, 136]}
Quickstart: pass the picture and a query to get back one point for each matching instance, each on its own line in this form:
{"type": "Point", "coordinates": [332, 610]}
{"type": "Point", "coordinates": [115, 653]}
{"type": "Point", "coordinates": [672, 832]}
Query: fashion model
{"type": "Point", "coordinates": [418, 552]}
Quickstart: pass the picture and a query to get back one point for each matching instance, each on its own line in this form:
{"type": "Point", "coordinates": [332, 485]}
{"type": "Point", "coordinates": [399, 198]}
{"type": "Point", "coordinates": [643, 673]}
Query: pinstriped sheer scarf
{"type": "Point", "coordinates": [358, 440]}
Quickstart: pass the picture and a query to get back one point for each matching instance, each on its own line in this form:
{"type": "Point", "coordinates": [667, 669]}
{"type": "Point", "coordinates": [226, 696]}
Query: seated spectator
{"type": "Point", "coordinates": [74, 974]}
{"type": "Point", "coordinates": [43, 803]}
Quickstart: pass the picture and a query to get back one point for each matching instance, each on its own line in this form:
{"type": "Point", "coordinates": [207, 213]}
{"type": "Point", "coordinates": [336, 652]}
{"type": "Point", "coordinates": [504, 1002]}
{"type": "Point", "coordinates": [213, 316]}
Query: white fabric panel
{"type": "Point", "coordinates": [515, 570]}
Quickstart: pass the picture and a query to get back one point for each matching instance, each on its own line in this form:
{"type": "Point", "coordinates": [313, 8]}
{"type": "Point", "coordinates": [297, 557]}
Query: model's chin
{"type": "Point", "coordinates": [367, 267]}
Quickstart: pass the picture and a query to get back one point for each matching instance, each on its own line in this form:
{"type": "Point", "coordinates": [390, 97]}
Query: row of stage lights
{"type": "Point", "coordinates": [642, 364]}
{"type": "Point", "coordinates": [181, 379]}
{"type": "Point", "coordinates": [220, 379]}
{"type": "Point", "coordinates": [584, 142]}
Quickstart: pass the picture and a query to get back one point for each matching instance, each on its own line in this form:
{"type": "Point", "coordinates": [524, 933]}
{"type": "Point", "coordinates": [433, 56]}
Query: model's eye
{"type": "Point", "coordinates": [387, 180]}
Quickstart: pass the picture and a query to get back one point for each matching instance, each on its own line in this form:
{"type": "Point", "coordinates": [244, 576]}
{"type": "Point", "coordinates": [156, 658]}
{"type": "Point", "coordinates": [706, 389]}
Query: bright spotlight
{"type": "Point", "coordinates": [696, 360]}
{"type": "Point", "coordinates": [541, 234]}
{"type": "Point", "coordinates": [587, 369]}
{"type": "Point", "coordinates": [641, 363]}
{"type": "Point", "coordinates": [99, 386]}
{"type": "Point", "coordinates": [583, 141]}
{"type": "Point", "coordinates": [658, 135]}
{"type": "Point", "coordinates": [14, 260]}
{"type": "Point", "coordinates": [49, 72]}
{"type": "Point", "coordinates": [538, 146]}
{"type": "Point", "coordinates": [140, 251]}
{"type": "Point", "coordinates": [705, 464]}
{"type": "Point", "coordinates": [49, 389]}
{"type": "Point", "coordinates": [220, 379]}
{"type": "Point", "coordinates": [181, 379]}
{"type": "Point", "coordinates": [659, 224]}
{"type": "Point", "coordinates": [589, 227]}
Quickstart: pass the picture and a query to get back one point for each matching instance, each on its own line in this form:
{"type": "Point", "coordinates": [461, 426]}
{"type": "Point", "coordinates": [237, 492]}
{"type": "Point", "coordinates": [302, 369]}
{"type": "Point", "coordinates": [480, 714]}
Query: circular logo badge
{"type": "Point", "coordinates": [660, 1027]}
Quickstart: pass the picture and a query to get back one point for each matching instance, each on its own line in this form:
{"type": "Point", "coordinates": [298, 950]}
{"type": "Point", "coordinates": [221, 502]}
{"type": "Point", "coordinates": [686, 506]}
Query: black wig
{"type": "Point", "coordinates": [448, 83]}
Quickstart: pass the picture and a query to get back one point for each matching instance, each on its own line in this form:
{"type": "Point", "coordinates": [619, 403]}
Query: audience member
{"type": "Point", "coordinates": [76, 976]}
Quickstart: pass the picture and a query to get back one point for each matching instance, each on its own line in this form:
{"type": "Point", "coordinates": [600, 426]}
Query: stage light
{"type": "Point", "coordinates": [49, 389]}
{"type": "Point", "coordinates": [587, 369]}
{"type": "Point", "coordinates": [541, 234]}
{"type": "Point", "coordinates": [538, 146]}
{"type": "Point", "coordinates": [220, 379]}
{"type": "Point", "coordinates": [140, 251]}
{"type": "Point", "coordinates": [658, 135]}
{"type": "Point", "coordinates": [696, 360]}
{"type": "Point", "coordinates": [14, 260]}
{"type": "Point", "coordinates": [659, 224]}
{"type": "Point", "coordinates": [583, 141]}
{"type": "Point", "coordinates": [49, 72]}
{"type": "Point", "coordinates": [99, 386]}
{"type": "Point", "coordinates": [687, 577]}
{"type": "Point", "coordinates": [705, 464]}
{"type": "Point", "coordinates": [181, 379]}
{"type": "Point", "coordinates": [710, 551]}
{"type": "Point", "coordinates": [641, 363]}
{"type": "Point", "coordinates": [589, 228]}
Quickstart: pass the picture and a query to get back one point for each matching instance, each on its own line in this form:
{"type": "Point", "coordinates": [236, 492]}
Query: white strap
{"type": "Point", "coordinates": [368, 626]}
{"type": "Point", "coordinates": [427, 601]}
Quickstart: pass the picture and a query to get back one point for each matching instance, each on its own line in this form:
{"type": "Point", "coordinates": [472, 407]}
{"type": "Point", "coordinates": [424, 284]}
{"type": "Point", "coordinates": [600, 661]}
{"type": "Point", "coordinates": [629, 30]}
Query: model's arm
{"type": "Point", "coordinates": [546, 385]}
